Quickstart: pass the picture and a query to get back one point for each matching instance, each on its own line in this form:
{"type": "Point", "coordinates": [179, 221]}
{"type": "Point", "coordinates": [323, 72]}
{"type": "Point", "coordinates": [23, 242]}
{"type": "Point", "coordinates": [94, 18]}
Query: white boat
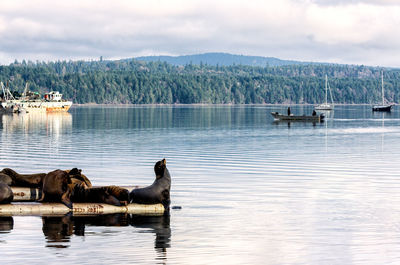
{"type": "Point", "coordinates": [326, 105]}
{"type": "Point", "coordinates": [383, 106]}
{"type": "Point", "coordinates": [31, 102]}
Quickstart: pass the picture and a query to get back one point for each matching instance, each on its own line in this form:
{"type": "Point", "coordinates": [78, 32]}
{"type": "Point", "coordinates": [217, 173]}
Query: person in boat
{"type": "Point", "coordinates": [288, 111]}
{"type": "Point", "coordinates": [314, 113]}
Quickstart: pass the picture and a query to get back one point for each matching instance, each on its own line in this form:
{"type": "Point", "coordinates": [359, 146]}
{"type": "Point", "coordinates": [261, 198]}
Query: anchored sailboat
{"type": "Point", "coordinates": [383, 107]}
{"type": "Point", "coordinates": [326, 105]}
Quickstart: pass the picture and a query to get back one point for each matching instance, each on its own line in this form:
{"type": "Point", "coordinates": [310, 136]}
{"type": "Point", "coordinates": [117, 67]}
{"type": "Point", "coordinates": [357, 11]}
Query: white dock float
{"type": "Point", "coordinates": [35, 208]}
{"type": "Point", "coordinates": [26, 194]}
{"type": "Point", "coordinates": [22, 194]}
{"type": "Point", "coordinates": [24, 197]}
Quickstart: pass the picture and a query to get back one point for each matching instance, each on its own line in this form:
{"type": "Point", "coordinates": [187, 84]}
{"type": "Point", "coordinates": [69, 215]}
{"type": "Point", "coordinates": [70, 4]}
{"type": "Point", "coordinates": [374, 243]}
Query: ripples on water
{"type": "Point", "coordinates": [253, 191]}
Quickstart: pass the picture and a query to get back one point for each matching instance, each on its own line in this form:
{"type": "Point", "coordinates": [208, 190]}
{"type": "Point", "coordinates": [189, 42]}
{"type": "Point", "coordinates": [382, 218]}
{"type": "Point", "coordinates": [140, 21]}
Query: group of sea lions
{"type": "Point", "coordinates": [69, 186]}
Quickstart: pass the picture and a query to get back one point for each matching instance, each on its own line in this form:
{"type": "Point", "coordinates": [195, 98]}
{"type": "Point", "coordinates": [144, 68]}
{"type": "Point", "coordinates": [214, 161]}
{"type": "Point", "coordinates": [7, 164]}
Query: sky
{"type": "Point", "coordinates": [337, 31]}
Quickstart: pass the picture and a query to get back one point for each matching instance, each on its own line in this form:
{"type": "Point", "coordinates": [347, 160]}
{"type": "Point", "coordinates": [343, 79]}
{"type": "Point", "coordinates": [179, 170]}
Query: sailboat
{"type": "Point", "coordinates": [383, 107]}
{"type": "Point", "coordinates": [326, 105]}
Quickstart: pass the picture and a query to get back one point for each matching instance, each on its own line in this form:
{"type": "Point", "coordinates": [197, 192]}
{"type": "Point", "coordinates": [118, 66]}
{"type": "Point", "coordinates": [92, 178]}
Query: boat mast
{"type": "Point", "coordinates": [383, 93]}
{"type": "Point", "coordinates": [326, 89]}
{"type": "Point", "coordinates": [4, 92]}
{"type": "Point", "coordinates": [25, 90]}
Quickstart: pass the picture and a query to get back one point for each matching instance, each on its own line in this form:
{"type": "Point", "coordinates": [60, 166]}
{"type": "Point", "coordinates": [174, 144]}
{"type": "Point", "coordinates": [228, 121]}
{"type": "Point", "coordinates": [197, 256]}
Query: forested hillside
{"type": "Point", "coordinates": [137, 82]}
{"type": "Point", "coordinates": [221, 59]}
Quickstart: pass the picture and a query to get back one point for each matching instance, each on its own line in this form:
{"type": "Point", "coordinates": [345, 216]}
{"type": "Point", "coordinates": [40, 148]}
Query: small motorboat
{"type": "Point", "coordinates": [291, 117]}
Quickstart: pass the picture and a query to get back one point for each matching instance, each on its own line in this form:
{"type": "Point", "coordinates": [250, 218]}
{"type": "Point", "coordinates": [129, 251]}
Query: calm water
{"type": "Point", "coordinates": [252, 191]}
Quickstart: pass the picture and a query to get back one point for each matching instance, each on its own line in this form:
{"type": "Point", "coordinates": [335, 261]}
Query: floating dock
{"type": "Point", "coordinates": [23, 204]}
{"type": "Point", "coordinates": [36, 208]}
{"type": "Point", "coordinates": [23, 194]}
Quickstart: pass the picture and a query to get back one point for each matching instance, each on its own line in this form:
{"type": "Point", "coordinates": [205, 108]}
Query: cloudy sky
{"type": "Point", "coordinates": [338, 31]}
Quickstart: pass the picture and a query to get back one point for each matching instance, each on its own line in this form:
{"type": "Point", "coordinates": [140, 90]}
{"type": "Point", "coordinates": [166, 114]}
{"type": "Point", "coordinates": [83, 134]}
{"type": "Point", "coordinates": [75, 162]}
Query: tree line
{"type": "Point", "coordinates": [136, 82]}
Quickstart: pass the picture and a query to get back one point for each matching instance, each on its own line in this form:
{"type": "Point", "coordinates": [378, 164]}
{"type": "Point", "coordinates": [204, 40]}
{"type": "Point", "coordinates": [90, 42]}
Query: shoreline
{"type": "Point", "coordinates": [207, 104]}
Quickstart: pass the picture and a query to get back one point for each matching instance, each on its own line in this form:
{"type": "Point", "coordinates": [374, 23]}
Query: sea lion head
{"type": "Point", "coordinates": [6, 194]}
{"type": "Point", "coordinates": [77, 177]}
{"type": "Point", "coordinates": [159, 168]}
{"type": "Point", "coordinates": [5, 179]}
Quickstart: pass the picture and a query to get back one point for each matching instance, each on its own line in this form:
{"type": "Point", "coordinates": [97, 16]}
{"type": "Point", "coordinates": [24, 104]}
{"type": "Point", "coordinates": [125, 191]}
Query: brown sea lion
{"type": "Point", "coordinates": [77, 177]}
{"type": "Point", "coordinates": [58, 187]}
{"type": "Point", "coordinates": [35, 180]}
{"type": "Point", "coordinates": [24, 180]}
{"type": "Point", "coordinates": [107, 194]}
{"type": "Point", "coordinates": [6, 194]}
{"type": "Point", "coordinates": [5, 179]}
{"type": "Point", "coordinates": [159, 191]}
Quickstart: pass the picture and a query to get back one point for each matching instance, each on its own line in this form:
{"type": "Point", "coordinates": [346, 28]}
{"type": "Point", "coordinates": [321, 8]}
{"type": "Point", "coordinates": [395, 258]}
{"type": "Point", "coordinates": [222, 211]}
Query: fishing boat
{"type": "Point", "coordinates": [31, 101]}
{"type": "Point", "coordinates": [291, 117]}
{"type": "Point", "coordinates": [326, 105]}
{"type": "Point", "coordinates": [383, 106]}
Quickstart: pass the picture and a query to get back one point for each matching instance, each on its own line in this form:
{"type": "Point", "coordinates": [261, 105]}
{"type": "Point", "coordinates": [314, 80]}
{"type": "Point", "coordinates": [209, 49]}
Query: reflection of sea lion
{"type": "Point", "coordinates": [119, 219]}
{"type": "Point", "coordinates": [158, 192]}
{"type": "Point", "coordinates": [57, 229]}
{"type": "Point", "coordinates": [57, 186]}
{"type": "Point", "coordinates": [6, 194]}
{"type": "Point", "coordinates": [6, 224]}
{"type": "Point", "coordinates": [107, 194]}
{"type": "Point", "coordinates": [160, 225]}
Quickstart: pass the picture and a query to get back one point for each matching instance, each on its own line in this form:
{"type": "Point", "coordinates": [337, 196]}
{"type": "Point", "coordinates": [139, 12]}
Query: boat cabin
{"type": "Point", "coordinates": [53, 96]}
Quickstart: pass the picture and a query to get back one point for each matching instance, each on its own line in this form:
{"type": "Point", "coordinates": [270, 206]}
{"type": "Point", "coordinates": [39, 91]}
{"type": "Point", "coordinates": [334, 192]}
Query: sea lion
{"type": "Point", "coordinates": [77, 177]}
{"type": "Point", "coordinates": [158, 192]}
{"type": "Point", "coordinates": [5, 179]}
{"type": "Point", "coordinates": [24, 180]}
{"type": "Point", "coordinates": [36, 180]}
{"type": "Point", "coordinates": [6, 194]}
{"type": "Point", "coordinates": [107, 194]}
{"type": "Point", "coordinates": [57, 186]}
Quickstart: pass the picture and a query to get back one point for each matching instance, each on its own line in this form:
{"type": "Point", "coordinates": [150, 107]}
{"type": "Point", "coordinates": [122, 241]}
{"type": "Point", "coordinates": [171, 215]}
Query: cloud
{"type": "Point", "coordinates": [358, 32]}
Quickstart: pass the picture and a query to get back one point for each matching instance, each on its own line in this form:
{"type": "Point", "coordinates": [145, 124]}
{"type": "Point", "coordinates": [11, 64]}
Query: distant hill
{"type": "Point", "coordinates": [138, 82]}
{"type": "Point", "coordinates": [221, 59]}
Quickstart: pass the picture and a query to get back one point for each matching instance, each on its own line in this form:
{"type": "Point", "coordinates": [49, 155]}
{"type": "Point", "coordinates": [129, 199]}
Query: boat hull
{"type": "Point", "coordinates": [324, 107]}
{"type": "Point", "coordinates": [36, 106]}
{"type": "Point", "coordinates": [386, 108]}
{"type": "Point", "coordinates": [281, 117]}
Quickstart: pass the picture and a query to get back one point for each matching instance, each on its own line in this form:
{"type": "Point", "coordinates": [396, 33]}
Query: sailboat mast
{"type": "Point", "coordinates": [326, 89]}
{"type": "Point", "coordinates": [383, 91]}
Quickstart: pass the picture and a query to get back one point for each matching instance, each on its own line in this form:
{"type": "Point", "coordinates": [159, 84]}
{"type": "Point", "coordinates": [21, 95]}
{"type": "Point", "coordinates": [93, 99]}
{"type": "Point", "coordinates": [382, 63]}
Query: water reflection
{"type": "Point", "coordinates": [290, 123]}
{"type": "Point", "coordinates": [51, 123]}
{"type": "Point", "coordinates": [59, 229]}
{"type": "Point", "coordinates": [166, 117]}
{"type": "Point", "coordinates": [158, 225]}
{"type": "Point", "coordinates": [6, 224]}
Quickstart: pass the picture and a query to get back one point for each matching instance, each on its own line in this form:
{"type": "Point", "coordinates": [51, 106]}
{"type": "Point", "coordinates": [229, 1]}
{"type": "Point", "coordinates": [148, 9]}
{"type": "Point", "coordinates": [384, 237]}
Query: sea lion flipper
{"type": "Point", "coordinates": [41, 198]}
{"type": "Point", "coordinates": [65, 199]}
{"type": "Point", "coordinates": [109, 199]}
